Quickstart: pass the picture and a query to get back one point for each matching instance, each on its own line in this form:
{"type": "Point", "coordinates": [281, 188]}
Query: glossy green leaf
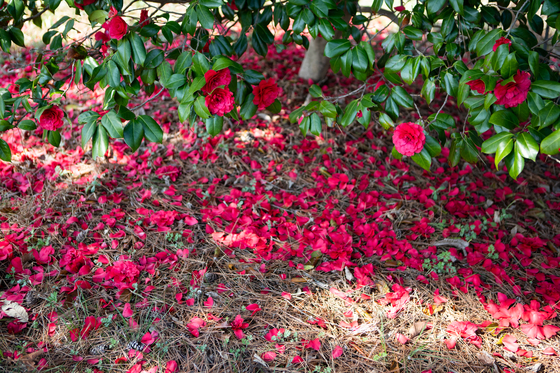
{"type": "Point", "coordinates": [527, 146]}
{"type": "Point", "coordinates": [516, 164]}
{"type": "Point", "coordinates": [546, 89]}
{"type": "Point", "coordinates": [504, 148]}
{"type": "Point", "coordinates": [402, 97]}
{"type": "Point", "coordinates": [248, 109]}
{"type": "Point", "coordinates": [315, 124]}
{"type": "Point", "coordinates": [432, 146]}
{"type": "Point", "coordinates": [200, 108]}
{"type": "Point", "coordinates": [138, 49]}
{"type": "Point", "coordinates": [100, 143]}
{"type": "Point", "coordinates": [327, 109]}
{"type": "Point", "coordinates": [113, 125]}
{"type": "Point", "coordinates": [350, 113]}
{"type": "Point", "coordinates": [423, 159]}
{"type": "Point", "coordinates": [152, 130]}
{"type": "Point", "coordinates": [214, 125]}
{"type": "Point", "coordinates": [315, 91]}
{"type": "Point", "coordinates": [551, 144]}
{"type": "Point", "coordinates": [337, 47]}
{"type": "Point", "coordinates": [5, 152]}
{"type": "Point", "coordinates": [504, 118]}
{"type": "Point", "coordinates": [133, 134]}
{"type": "Point", "coordinates": [491, 145]}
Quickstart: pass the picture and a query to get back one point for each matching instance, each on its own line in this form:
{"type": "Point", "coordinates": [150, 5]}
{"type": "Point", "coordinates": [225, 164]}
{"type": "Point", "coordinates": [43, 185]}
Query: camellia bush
{"type": "Point", "coordinates": [494, 62]}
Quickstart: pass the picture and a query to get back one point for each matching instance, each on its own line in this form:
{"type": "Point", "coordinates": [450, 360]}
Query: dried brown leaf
{"type": "Point", "coordinates": [417, 328]}
{"type": "Point", "coordinates": [12, 309]}
{"type": "Point", "coordinates": [485, 358]}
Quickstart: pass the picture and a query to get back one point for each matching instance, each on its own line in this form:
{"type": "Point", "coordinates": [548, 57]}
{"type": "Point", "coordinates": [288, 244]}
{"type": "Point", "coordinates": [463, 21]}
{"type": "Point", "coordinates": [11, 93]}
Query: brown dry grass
{"type": "Point", "coordinates": [374, 349]}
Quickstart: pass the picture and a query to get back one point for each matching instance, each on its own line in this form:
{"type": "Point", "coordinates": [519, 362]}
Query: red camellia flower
{"type": "Point", "coordinates": [144, 18]}
{"type": "Point", "coordinates": [112, 12]}
{"type": "Point", "coordinates": [214, 79]}
{"type": "Point", "coordinates": [102, 36]}
{"type": "Point", "coordinates": [265, 93]}
{"type": "Point", "coordinates": [477, 86]}
{"type": "Point", "coordinates": [238, 325]}
{"type": "Point", "coordinates": [84, 3]}
{"type": "Point", "coordinates": [400, 8]}
{"type": "Point", "coordinates": [51, 119]}
{"type": "Point", "coordinates": [220, 101]}
{"type": "Point", "coordinates": [513, 93]}
{"type": "Point", "coordinates": [409, 138]}
{"type": "Point", "coordinates": [501, 41]}
{"type": "Point", "coordinates": [116, 28]}
{"type": "Point", "coordinates": [123, 272]}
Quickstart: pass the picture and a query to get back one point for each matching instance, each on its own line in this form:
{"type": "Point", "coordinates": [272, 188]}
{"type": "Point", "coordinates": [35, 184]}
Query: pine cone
{"type": "Point", "coordinates": [135, 345]}
{"type": "Point", "coordinates": [98, 349]}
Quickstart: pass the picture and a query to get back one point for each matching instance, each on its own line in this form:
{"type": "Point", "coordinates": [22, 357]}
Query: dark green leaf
{"type": "Point", "coordinates": [253, 77]}
{"type": "Point", "coordinates": [510, 66]}
{"type": "Point", "coordinates": [551, 144]}
{"type": "Point", "coordinates": [113, 125]}
{"type": "Point", "coordinates": [327, 109]}
{"type": "Point", "coordinates": [212, 3]}
{"type": "Point", "coordinates": [549, 114]}
{"type": "Point", "coordinates": [350, 113]}
{"type": "Point", "coordinates": [248, 109]}
{"type": "Point", "coordinates": [5, 152]}
{"type": "Point", "coordinates": [504, 118]}
{"type": "Point", "coordinates": [315, 124]}
{"type": "Point", "coordinates": [504, 148]}
{"type": "Point", "coordinates": [515, 162]}
{"type": "Point", "coordinates": [423, 159]}
{"type": "Point", "coordinates": [336, 48]}
{"type": "Point", "coordinates": [154, 58]}
{"type": "Point", "coordinates": [214, 125]}
{"type": "Point", "coordinates": [429, 90]}
{"type": "Point", "coordinates": [88, 131]}
{"type": "Point", "coordinates": [546, 89]}
{"type": "Point", "coordinates": [413, 33]}
{"type": "Point", "coordinates": [200, 108]}
{"type": "Point", "coordinates": [133, 134]}
{"type": "Point", "coordinates": [275, 107]}
{"type": "Point", "coordinates": [27, 125]}
{"type": "Point", "coordinates": [402, 97]}
{"type": "Point", "coordinates": [315, 91]}
{"type": "Point", "coordinates": [54, 138]}
{"type": "Point", "coordinates": [485, 45]}
{"type": "Point", "coordinates": [432, 146]}
{"type": "Point", "coordinates": [222, 62]}
{"type": "Point", "coordinates": [17, 36]}
{"type": "Point", "coordinates": [205, 17]}
{"type": "Point", "coordinates": [491, 145]}
{"type": "Point", "coordinates": [527, 146]}
{"type": "Point", "coordinates": [457, 6]}
{"type": "Point", "coordinates": [152, 130]}
{"type": "Point", "coordinates": [138, 49]}
{"type": "Point", "coordinates": [100, 143]}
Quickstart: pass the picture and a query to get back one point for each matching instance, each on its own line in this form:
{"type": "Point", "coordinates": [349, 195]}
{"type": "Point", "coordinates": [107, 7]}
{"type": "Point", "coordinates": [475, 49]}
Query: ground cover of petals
{"type": "Point", "coordinates": [263, 250]}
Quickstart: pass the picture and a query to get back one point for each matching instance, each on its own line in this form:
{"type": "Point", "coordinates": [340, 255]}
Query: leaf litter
{"type": "Point", "coordinates": [273, 251]}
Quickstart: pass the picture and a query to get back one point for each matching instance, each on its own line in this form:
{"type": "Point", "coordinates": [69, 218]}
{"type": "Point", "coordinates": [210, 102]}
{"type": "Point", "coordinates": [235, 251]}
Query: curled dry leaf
{"type": "Point", "coordinates": [418, 328]}
{"type": "Point", "coordinates": [348, 274]}
{"type": "Point", "coordinates": [485, 358]}
{"type": "Point", "coordinates": [258, 359]}
{"type": "Point", "coordinates": [12, 309]}
{"type": "Point", "coordinates": [459, 244]}
{"type": "Point", "coordinates": [30, 358]}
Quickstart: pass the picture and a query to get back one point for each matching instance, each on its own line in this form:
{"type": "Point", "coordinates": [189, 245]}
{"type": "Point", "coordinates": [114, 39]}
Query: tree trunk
{"type": "Point", "coordinates": [315, 64]}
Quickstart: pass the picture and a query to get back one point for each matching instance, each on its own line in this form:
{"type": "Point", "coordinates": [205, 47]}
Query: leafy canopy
{"type": "Point", "coordinates": [496, 59]}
